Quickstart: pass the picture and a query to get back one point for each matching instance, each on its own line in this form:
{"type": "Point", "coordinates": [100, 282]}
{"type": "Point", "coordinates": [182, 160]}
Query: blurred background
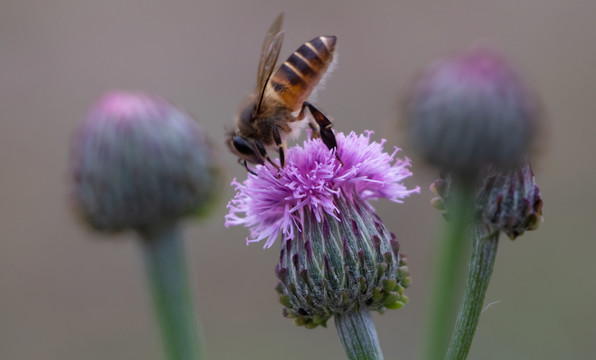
{"type": "Point", "coordinates": [67, 293]}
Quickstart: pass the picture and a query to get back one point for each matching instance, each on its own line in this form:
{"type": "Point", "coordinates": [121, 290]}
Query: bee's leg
{"type": "Point", "coordinates": [280, 146]}
{"type": "Point", "coordinates": [243, 163]}
{"type": "Point", "coordinates": [302, 112]}
{"type": "Point", "coordinates": [264, 154]}
{"type": "Point", "coordinates": [325, 131]}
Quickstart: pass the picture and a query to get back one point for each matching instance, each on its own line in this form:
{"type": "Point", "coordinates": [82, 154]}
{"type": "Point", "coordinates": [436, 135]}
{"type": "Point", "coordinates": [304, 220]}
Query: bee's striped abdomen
{"type": "Point", "coordinates": [296, 78]}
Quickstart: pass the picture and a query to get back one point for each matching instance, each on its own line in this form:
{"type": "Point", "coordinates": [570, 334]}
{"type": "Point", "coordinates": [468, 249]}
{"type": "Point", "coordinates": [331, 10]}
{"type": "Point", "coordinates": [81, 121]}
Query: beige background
{"type": "Point", "coordinates": [66, 293]}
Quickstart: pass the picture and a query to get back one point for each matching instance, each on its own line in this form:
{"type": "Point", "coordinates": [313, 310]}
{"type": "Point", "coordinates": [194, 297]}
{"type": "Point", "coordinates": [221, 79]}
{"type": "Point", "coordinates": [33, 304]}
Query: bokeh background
{"type": "Point", "coordinates": [67, 293]}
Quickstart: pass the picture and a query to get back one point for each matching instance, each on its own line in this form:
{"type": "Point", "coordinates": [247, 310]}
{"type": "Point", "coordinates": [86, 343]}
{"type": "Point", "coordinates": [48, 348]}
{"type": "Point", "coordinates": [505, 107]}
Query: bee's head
{"type": "Point", "coordinates": [247, 149]}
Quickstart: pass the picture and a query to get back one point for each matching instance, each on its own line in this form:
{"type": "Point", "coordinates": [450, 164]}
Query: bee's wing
{"type": "Point", "coordinates": [269, 55]}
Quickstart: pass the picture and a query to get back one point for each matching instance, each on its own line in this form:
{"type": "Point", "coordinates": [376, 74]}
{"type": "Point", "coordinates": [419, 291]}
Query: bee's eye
{"type": "Point", "coordinates": [242, 146]}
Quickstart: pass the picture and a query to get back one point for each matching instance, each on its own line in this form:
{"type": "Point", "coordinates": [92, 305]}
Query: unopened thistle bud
{"type": "Point", "coordinates": [138, 161]}
{"type": "Point", "coordinates": [337, 255]}
{"type": "Point", "coordinates": [472, 110]}
{"type": "Point", "coordinates": [507, 200]}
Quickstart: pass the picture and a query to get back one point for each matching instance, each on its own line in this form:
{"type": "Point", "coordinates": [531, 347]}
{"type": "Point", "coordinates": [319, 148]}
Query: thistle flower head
{"type": "Point", "coordinates": [336, 254]}
{"type": "Point", "coordinates": [138, 161]}
{"type": "Point", "coordinates": [272, 203]}
{"type": "Point", "coordinates": [471, 110]}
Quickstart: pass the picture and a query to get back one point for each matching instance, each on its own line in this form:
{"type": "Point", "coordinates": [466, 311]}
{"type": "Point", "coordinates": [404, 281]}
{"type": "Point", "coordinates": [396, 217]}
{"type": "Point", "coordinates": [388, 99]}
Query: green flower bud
{"type": "Point", "coordinates": [507, 200]}
{"type": "Point", "coordinates": [341, 264]}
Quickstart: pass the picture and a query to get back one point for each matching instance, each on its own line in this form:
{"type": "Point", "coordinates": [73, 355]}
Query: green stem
{"type": "Point", "coordinates": [358, 335]}
{"type": "Point", "coordinates": [165, 264]}
{"type": "Point", "coordinates": [449, 271]}
{"type": "Point", "coordinates": [480, 269]}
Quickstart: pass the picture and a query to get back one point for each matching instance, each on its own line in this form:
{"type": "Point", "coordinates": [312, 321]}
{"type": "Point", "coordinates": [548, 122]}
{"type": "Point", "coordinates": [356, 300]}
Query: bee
{"type": "Point", "coordinates": [277, 109]}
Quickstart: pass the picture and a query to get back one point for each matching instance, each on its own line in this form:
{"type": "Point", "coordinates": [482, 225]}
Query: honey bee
{"type": "Point", "coordinates": [277, 109]}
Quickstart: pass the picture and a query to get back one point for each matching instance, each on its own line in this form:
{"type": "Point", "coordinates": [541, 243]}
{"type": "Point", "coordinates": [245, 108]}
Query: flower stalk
{"type": "Point", "coordinates": [141, 164]}
{"type": "Point", "coordinates": [449, 270]}
{"type": "Point", "coordinates": [473, 116]}
{"type": "Point", "coordinates": [165, 264]}
{"type": "Point", "coordinates": [482, 259]}
{"type": "Point", "coordinates": [358, 335]}
{"type": "Point", "coordinates": [506, 201]}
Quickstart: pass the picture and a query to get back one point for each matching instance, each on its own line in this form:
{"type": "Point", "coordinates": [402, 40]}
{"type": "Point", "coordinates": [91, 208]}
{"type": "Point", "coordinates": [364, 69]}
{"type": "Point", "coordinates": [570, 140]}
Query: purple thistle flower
{"type": "Point", "coordinates": [337, 256]}
{"type": "Point", "coordinates": [274, 202]}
